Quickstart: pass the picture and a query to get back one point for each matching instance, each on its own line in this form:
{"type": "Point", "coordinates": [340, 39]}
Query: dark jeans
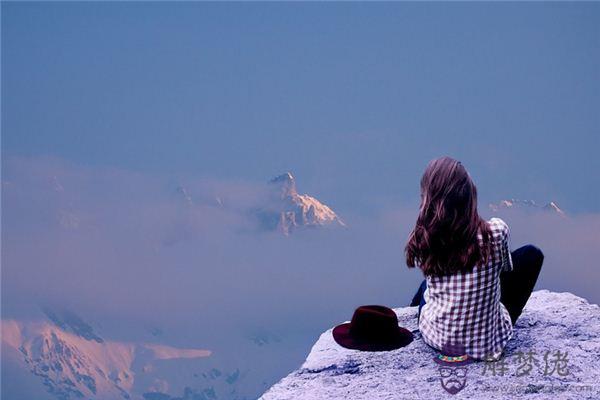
{"type": "Point", "coordinates": [515, 286]}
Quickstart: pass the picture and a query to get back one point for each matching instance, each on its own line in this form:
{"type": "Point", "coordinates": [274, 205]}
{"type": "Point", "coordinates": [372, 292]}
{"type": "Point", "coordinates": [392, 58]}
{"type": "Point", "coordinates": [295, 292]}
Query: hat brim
{"type": "Point", "coordinates": [341, 334]}
{"type": "Point", "coordinates": [468, 361]}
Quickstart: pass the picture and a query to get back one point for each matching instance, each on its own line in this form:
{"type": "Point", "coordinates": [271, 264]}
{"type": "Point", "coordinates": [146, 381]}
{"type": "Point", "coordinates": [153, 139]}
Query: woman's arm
{"type": "Point", "coordinates": [507, 264]}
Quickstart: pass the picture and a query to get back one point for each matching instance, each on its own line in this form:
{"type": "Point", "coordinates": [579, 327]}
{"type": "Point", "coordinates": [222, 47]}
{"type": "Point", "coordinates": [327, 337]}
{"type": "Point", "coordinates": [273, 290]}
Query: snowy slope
{"type": "Point", "coordinates": [41, 358]}
{"type": "Point", "coordinates": [59, 356]}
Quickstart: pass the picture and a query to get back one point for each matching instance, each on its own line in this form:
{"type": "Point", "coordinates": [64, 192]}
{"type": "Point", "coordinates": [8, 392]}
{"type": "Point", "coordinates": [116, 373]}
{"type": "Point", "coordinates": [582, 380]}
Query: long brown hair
{"type": "Point", "coordinates": [444, 240]}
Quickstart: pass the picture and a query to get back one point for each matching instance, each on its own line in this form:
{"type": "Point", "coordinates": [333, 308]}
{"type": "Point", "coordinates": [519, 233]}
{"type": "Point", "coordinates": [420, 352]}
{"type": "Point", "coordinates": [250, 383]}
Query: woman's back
{"type": "Point", "coordinates": [465, 307]}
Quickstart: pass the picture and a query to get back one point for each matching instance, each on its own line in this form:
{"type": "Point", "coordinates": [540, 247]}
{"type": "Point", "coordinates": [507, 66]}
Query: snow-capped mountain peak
{"type": "Point", "coordinates": [288, 210]}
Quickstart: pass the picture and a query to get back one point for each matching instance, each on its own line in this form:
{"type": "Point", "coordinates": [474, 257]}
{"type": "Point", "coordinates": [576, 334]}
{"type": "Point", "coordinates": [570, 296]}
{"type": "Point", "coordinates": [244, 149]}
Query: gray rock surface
{"type": "Point", "coordinates": [551, 322]}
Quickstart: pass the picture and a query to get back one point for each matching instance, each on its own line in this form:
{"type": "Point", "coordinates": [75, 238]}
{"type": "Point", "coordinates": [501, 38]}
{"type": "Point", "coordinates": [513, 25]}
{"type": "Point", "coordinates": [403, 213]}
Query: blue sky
{"type": "Point", "coordinates": [354, 98]}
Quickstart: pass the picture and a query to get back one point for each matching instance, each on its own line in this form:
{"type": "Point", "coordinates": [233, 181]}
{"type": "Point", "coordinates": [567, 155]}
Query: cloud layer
{"type": "Point", "coordinates": [130, 253]}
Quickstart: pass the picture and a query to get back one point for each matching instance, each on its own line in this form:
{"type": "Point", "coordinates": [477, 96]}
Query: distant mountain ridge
{"type": "Point", "coordinates": [279, 208]}
{"type": "Point", "coordinates": [526, 205]}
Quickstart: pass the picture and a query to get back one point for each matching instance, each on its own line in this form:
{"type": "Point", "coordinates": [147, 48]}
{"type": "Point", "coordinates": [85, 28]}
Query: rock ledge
{"type": "Point", "coordinates": [551, 322]}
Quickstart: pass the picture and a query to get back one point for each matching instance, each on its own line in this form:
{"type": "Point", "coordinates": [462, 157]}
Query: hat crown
{"type": "Point", "coordinates": [375, 323]}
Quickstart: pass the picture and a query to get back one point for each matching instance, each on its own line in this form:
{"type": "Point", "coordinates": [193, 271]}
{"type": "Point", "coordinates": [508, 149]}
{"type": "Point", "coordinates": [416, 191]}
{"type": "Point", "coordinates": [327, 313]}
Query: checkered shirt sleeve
{"type": "Point", "coordinates": [506, 258]}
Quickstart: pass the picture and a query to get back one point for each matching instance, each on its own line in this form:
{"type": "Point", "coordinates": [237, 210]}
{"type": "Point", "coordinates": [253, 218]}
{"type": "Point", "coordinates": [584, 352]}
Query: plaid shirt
{"type": "Point", "coordinates": [465, 307]}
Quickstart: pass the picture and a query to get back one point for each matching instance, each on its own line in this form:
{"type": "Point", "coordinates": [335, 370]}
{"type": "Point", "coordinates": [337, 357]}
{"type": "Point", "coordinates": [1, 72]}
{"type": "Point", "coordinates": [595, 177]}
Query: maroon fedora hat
{"type": "Point", "coordinates": [373, 328]}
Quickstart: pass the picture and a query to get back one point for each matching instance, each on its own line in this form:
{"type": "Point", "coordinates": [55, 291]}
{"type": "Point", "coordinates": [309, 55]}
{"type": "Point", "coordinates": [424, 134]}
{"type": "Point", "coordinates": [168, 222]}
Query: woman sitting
{"type": "Point", "coordinates": [474, 288]}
